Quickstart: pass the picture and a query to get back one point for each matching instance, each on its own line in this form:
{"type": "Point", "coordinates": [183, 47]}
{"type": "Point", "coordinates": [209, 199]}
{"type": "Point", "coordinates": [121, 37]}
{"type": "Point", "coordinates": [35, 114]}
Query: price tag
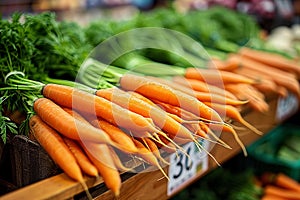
{"type": "Point", "coordinates": [184, 166]}
{"type": "Point", "coordinates": [286, 107]}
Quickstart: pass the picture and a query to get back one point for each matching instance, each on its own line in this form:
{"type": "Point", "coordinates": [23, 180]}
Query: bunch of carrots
{"type": "Point", "coordinates": [99, 129]}
{"type": "Point", "coordinates": [142, 118]}
{"type": "Point", "coordinates": [279, 186]}
{"type": "Point", "coordinates": [272, 73]}
{"type": "Point", "coordinates": [89, 128]}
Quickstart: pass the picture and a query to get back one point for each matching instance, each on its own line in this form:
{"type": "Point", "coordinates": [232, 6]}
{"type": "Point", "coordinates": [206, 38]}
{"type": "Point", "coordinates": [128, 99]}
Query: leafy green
{"type": "Point", "coordinates": [32, 48]}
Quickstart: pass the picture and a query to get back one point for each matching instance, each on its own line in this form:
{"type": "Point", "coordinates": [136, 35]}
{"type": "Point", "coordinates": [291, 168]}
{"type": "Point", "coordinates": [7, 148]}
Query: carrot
{"type": "Point", "coordinates": [154, 90]}
{"type": "Point", "coordinates": [220, 128]}
{"type": "Point", "coordinates": [116, 134]}
{"type": "Point", "coordinates": [273, 197]}
{"type": "Point", "coordinates": [216, 77]}
{"type": "Point", "coordinates": [267, 86]}
{"type": "Point", "coordinates": [287, 182]}
{"type": "Point", "coordinates": [192, 126]}
{"type": "Point", "coordinates": [168, 147]}
{"type": "Point", "coordinates": [256, 65]}
{"type": "Point", "coordinates": [117, 161]}
{"type": "Point", "coordinates": [67, 125]}
{"type": "Point", "coordinates": [206, 129]}
{"type": "Point", "coordinates": [271, 59]}
{"type": "Point", "coordinates": [265, 82]}
{"type": "Point", "coordinates": [282, 91]}
{"type": "Point", "coordinates": [154, 149]}
{"type": "Point", "coordinates": [148, 156]}
{"type": "Point", "coordinates": [177, 114]}
{"type": "Point", "coordinates": [102, 159]}
{"type": "Point", "coordinates": [201, 96]}
{"type": "Point", "coordinates": [158, 116]}
{"type": "Point", "coordinates": [201, 86]}
{"type": "Point", "coordinates": [88, 103]}
{"type": "Point", "coordinates": [57, 149]}
{"type": "Point", "coordinates": [141, 97]}
{"type": "Point", "coordinates": [173, 111]}
{"type": "Point", "coordinates": [81, 158]}
{"type": "Point", "coordinates": [233, 113]}
{"type": "Point", "coordinates": [280, 77]}
{"type": "Point", "coordinates": [188, 116]}
{"type": "Point", "coordinates": [222, 65]}
{"type": "Point", "coordinates": [281, 192]}
{"type": "Point", "coordinates": [255, 98]}
{"type": "Point", "coordinates": [75, 114]}
{"type": "Point", "coordinates": [55, 146]}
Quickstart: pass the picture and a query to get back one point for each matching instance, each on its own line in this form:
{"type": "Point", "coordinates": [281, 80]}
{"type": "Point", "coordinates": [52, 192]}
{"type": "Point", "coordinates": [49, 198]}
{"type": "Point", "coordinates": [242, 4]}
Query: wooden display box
{"type": "Point", "coordinates": [149, 185]}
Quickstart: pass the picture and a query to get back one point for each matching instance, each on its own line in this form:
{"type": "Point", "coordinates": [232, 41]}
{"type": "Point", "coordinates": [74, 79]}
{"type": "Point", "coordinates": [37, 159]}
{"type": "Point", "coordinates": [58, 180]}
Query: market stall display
{"type": "Point", "coordinates": [114, 116]}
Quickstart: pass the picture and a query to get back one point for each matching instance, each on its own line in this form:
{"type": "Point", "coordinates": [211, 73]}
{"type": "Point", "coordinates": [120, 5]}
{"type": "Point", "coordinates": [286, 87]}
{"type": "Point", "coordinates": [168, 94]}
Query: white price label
{"type": "Point", "coordinates": [286, 107]}
{"type": "Point", "coordinates": [183, 166]}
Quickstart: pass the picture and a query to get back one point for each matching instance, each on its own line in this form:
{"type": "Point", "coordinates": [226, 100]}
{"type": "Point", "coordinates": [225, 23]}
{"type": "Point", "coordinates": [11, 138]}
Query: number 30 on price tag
{"type": "Point", "coordinates": [183, 167]}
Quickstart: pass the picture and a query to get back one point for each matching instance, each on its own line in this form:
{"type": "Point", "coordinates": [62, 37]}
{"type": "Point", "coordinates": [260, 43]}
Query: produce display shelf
{"type": "Point", "coordinates": [152, 184]}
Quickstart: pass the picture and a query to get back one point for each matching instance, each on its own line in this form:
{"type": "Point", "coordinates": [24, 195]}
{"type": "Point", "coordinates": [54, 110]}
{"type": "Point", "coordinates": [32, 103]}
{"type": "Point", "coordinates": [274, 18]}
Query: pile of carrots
{"type": "Point", "coordinates": [88, 133]}
{"type": "Point", "coordinates": [272, 72]}
{"type": "Point", "coordinates": [279, 186]}
{"type": "Point", "coordinates": [96, 133]}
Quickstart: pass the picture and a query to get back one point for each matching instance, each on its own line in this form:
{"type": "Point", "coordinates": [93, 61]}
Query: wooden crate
{"type": "Point", "coordinates": [24, 162]}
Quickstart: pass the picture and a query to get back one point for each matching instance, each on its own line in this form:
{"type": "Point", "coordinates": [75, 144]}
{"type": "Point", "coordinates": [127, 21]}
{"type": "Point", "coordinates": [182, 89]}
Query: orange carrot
{"type": "Point", "coordinates": [154, 149]}
{"type": "Point", "coordinates": [168, 147]}
{"type": "Point", "coordinates": [255, 98]}
{"type": "Point", "coordinates": [159, 116]}
{"type": "Point", "coordinates": [154, 90]}
{"type": "Point", "coordinates": [170, 112]}
{"type": "Point", "coordinates": [83, 161]}
{"type": "Point", "coordinates": [265, 83]}
{"type": "Point", "coordinates": [272, 59]}
{"type": "Point", "coordinates": [281, 192]}
{"type": "Point", "coordinates": [219, 128]}
{"type": "Point", "coordinates": [57, 149]}
{"type": "Point", "coordinates": [282, 180]}
{"type": "Point", "coordinates": [188, 116]}
{"type": "Point", "coordinates": [272, 197]}
{"type": "Point", "coordinates": [67, 125]}
{"type": "Point", "coordinates": [267, 86]}
{"type": "Point", "coordinates": [88, 103]}
{"type": "Point", "coordinates": [256, 65]}
{"type": "Point", "coordinates": [55, 146]}
{"type": "Point", "coordinates": [201, 96]}
{"type": "Point", "coordinates": [102, 159]}
{"type": "Point", "coordinates": [216, 77]}
{"type": "Point", "coordinates": [141, 97]}
{"type": "Point", "coordinates": [280, 77]}
{"type": "Point", "coordinates": [75, 114]}
{"type": "Point", "coordinates": [282, 91]}
{"type": "Point", "coordinates": [222, 65]}
{"type": "Point", "coordinates": [177, 114]}
{"type": "Point", "coordinates": [116, 134]}
{"type": "Point", "coordinates": [182, 116]}
{"type": "Point", "coordinates": [201, 86]}
{"type": "Point", "coordinates": [233, 113]}
{"type": "Point", "coordinates": [148, 156]}
{"type": "Point", "coordinates": [117, 161]}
